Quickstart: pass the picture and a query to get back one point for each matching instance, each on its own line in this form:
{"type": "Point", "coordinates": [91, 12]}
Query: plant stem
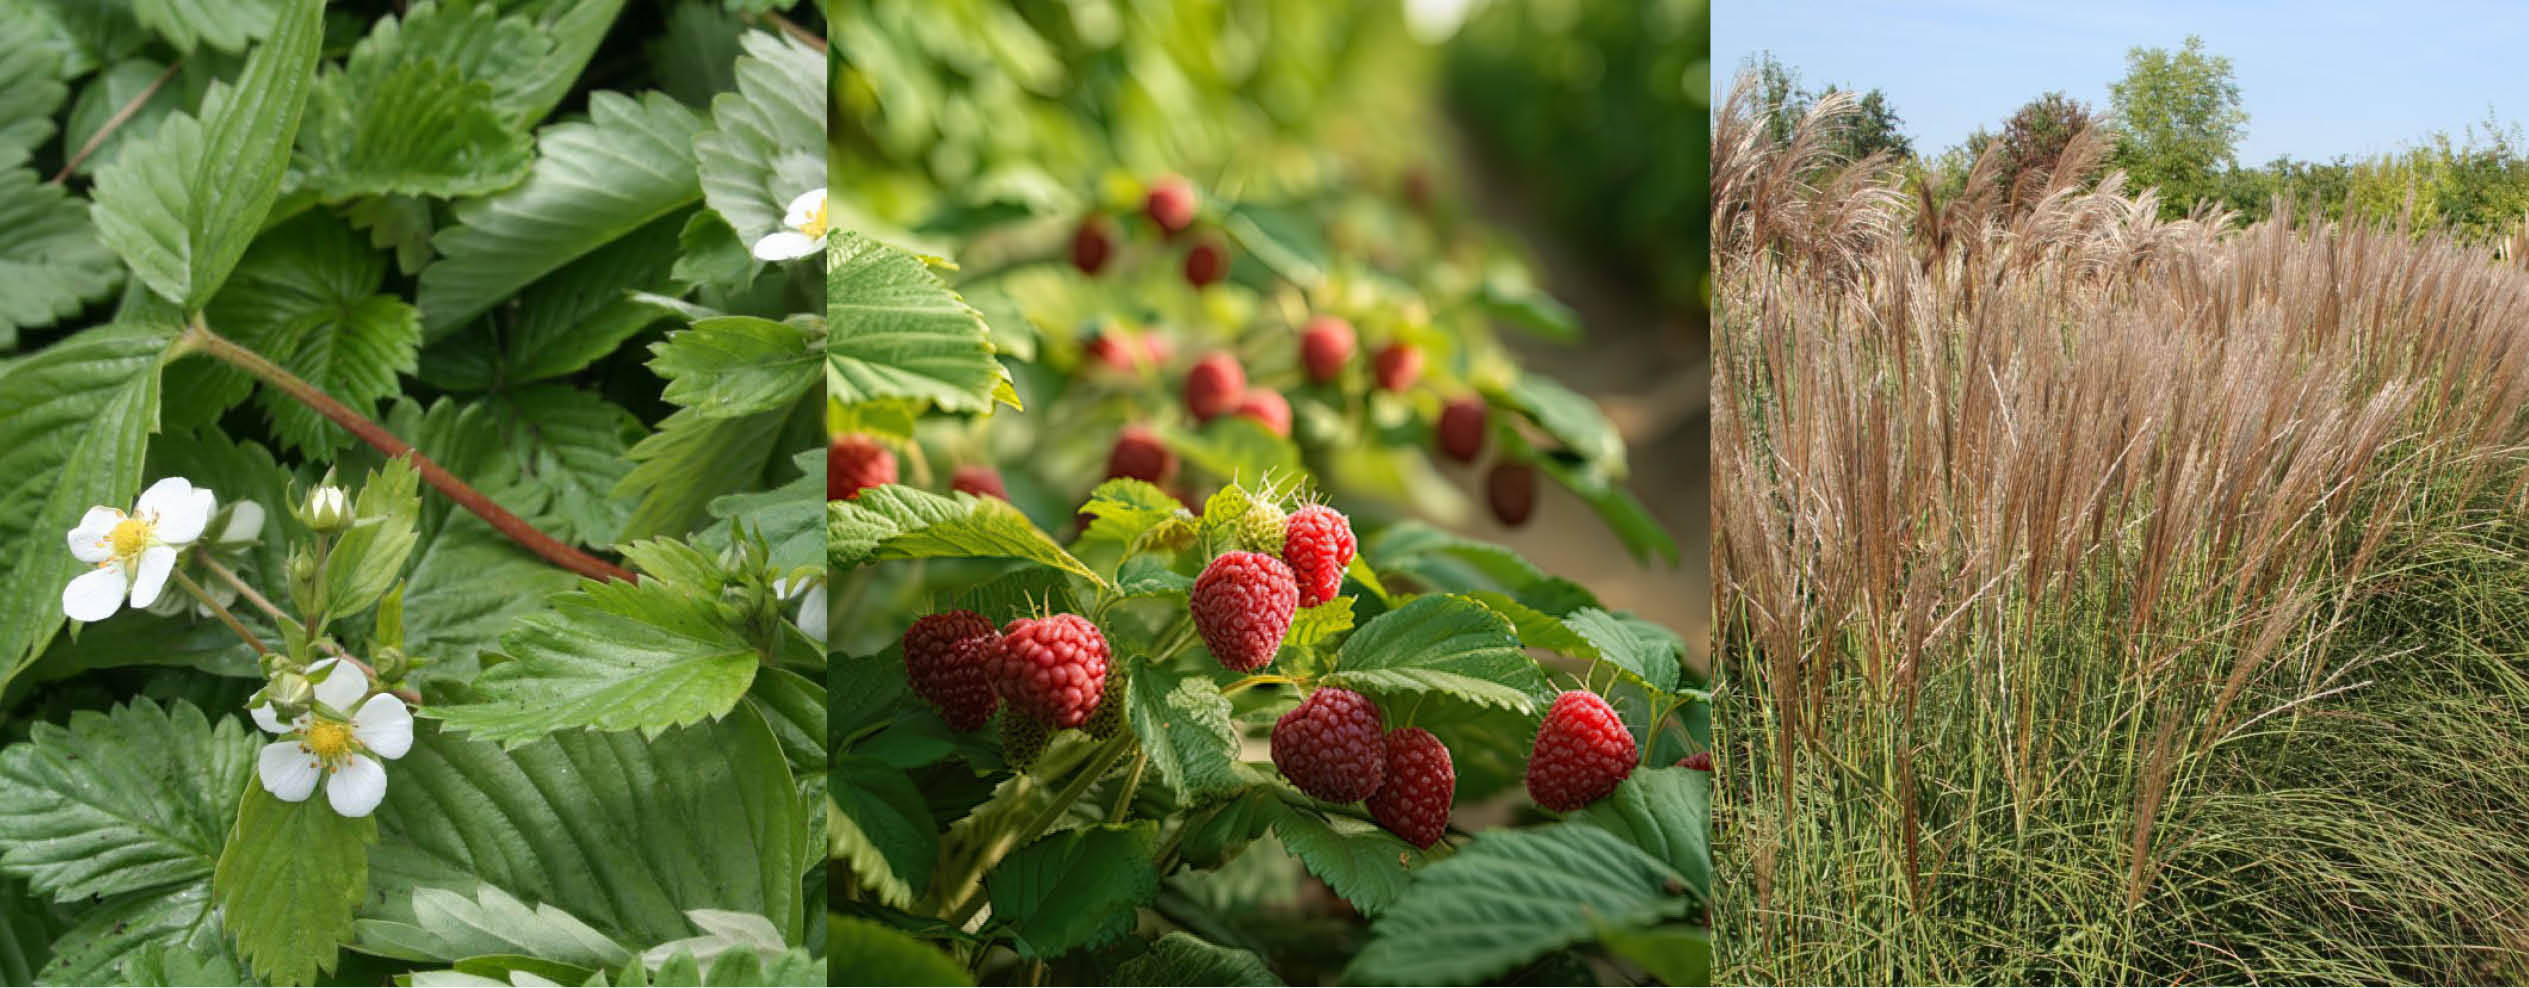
{"type": "Point", "coordinates": [199, 336]}
{"type": "Point", "coordinates": [1132, 784]}
{"type": "Point", "coordinates": [794, 30]}
{"type": "Point", "coordinates": [1256, 680]}
{"type": "Point", "coordinates": [973, 899]}
{"type": "Point", "coordinates": [252, 596]}
{"type": "Point", "coordinates": [116, 121]}
{"type": "Point", "coordinates": [225, 617]}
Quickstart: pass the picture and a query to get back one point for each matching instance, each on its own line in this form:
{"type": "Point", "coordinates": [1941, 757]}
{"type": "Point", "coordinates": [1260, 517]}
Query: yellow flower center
{"type": "Point", "coordinates": [815, 227]}
{"type": "Point", "coordinates": [329, 741]}
{"type": "Point", "coordinates": [130, 536]}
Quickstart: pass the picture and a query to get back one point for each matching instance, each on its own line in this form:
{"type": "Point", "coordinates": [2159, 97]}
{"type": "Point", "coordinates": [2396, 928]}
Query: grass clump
{"type": "Point", "coordinates": [2107, 599]}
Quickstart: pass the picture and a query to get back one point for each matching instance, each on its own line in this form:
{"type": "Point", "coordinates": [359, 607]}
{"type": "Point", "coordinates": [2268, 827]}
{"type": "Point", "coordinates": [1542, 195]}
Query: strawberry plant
{"type": "Point", "coordinates": [1202, 687]}
{"type": "Point", "coordinates": [409, 562]}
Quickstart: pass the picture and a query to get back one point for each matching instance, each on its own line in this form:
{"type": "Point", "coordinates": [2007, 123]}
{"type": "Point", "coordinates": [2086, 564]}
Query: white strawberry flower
{"type": "Point", "coordinates": [317, 744]}
{"type": "Point", "coordinates": [803, 231]}
{"type": "Point", "coordinates": [244, 527]}
{"type": "Point", "coordinates": [133, 553]}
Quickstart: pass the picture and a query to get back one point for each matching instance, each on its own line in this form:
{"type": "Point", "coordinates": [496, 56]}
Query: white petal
{"type": "Point", "coordinates": [163, 496]}
{"type": "Point", "coordinates": [266, 719]}
{"type": "Point", "coordinates": [94, 595]}
{"type": "Point", "coordinates": [155, 563]}
{"type": "Point", "coordinates": [802, 208]}
{"type": "Point", "coordinates": [341, 687]}
{"type": "Point", "coordinates": [357, 786]}
{"type": "Point", "coordinates": [182, 522]}
{"type": "Point", "coordinates": [245, 522]}
{"type": "Point", "coordinates": [784, 246]}
{"type": "Point", "coordinates": [812, 613]}
{"type": "Point", "coordinates": [91, 541]}
{"type": "Point", "coordinates": [288, 771]}
{"type": "Point", "coordinates": [384, 725]}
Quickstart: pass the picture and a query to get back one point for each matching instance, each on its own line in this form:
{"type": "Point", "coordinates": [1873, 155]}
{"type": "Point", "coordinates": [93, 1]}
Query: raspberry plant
{"type": "Point", "coordinates": [432, 409]}
{"type": "Point", "coordinates": [1206, 355]}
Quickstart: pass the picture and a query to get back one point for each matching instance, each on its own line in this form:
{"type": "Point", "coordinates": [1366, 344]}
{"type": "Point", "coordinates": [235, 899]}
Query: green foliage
{"type": "Point", "coordinates": [1511, 896]}
{"type": "Point", "coordinates": [287, 882]}
{"type": "Point", "coordinates": [1442, 644]}
{"type": "Point", "coordinates": [414, 109]}
{"type": "Point", "coordinates": [136, 798]}
{"type": "Point", "coordinates": [181, 206]}
{"type": "Point", "coordinates": [74, 420]}
{"type": "Point", "coordinates": [1077, 888]}
{"type": "Point", "coordinates": [51, 264]}
{"type": "Point", "coordinates": [907, 335]}
{"type": "Point", "coordinates": [766, 142]}
{"type": "Point", "coordinates": [307, 293]}
{"type": "Point", "coordinates": [2177, 116]}
{"type": "Point", "coordinates": [883, 956]}
{"type": "Point", "coordinates": [594, 182]}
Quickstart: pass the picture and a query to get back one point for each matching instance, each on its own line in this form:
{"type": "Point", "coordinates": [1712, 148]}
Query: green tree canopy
{"type": "Point", "coordinates": [2178, 115]}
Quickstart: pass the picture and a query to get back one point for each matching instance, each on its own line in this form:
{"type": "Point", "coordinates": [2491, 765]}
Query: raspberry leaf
{"type": "Point", "coordinates": [1444, 644]}
{"type": "Point", "coordinates": [1511, 896]}
{"type": "Point", "coordinates": [884, 833]}
{"type": "Point", "coordinates": [902, 333]}
{"type": "Point", "coordinates": [1077, 888]}
{"type": "Point", "coordinates": [1651, 661]}
{"type": "Point", "coordinates": [882, 956]}
{"type": "Point", "coordinates": [1180, 958]}
{"type": "Point", "coordinates": [1362, 863]}
{"type": "Point", "coordinates": [896, 522]}
{"type": "Point", "coordinates": [1666, 813]}
{"type": "Point", "coordinates": [1184, 727]}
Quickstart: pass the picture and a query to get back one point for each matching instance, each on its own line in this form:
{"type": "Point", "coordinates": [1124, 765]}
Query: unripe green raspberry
{"type": "Point", "coordinates": [1108, 719]}
{"type": "Point", "coordinates": [1023, 738]}
{"type": "Point", "coordinates": [1261, 528]}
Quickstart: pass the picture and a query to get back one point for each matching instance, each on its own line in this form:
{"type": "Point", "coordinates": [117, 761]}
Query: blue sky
{"type": "Point", "coordinates": [2318, 79]}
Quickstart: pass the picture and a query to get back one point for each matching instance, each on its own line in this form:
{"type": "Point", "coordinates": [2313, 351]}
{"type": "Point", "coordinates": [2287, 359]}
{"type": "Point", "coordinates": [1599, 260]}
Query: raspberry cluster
{"type": "Point", "coordinates": [1045, 674]}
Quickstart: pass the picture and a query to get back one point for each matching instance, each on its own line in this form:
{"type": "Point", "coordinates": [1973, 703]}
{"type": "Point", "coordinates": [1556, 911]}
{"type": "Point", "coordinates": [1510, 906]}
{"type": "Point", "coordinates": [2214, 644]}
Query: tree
{"type": "Point", "coordinates": [2178, 115]}
{"type": "Point", "coordinates": [1875, 127]}
{"type": "Point", "coordinates": [2033, 139]}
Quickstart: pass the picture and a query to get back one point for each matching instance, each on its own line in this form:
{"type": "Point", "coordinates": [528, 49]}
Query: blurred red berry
{"type": "Point", "coordinates": [1213, 386]}
{"type": "Point", "coordinates": [1700, 761]}
{"type": "Point", "coordinates": [979, 480]}
{"type": "Point", "coordinates": [1206, 263]}
{"type": "Point", "coordinates": [1266, 406]}
{"type": "Point", "coordinates": [1139, 454]}
{"type": "Point", "coordinates": [1398, 365]}
{"type": "Point", "coordinates": [1512, 489]}
{"type": "Point", "coordinates": [1462, 428]}
{"type": "Point", "coordinates": [1324, 347]}
{"type": "Point", "coordinates": [1092, 244]}
{"type": "Point", "coordinates": [1170, 204]}
{"type": "Point", "coordinates": [1117, 349]}
{"type": "Point", "coordinates": [854, 464]}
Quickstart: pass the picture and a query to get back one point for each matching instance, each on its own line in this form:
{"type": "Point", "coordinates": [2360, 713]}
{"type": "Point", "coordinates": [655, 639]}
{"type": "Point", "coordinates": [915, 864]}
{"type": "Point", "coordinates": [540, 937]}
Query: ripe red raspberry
{"type": "Point", "coordinates": [855, 463]}
{"type": "Point", "coordinates": [1051, 668]}
{"type": "Point", "coordinates": [1317, 543]}
{"type": "Point", "coordinates": [1170, 203]}
{"type": "Point", "coordinates": [1462, 428]}
{"type": "Point", "coordinates": [1398, 365]}
{"type": "Point", "coordinates": [1324, 347]}
{"type": "Point", "coordinates": [1243, 604]}
{"type": "Point", "coordinates": [1213, 386]}
{"type": "Point", "coordinates": [1206, 262]}
{"type": "Point", "coordinates": [1330, 746]}
{"type": "Point", "coordinates": [1413, 803]}
{"type": "Point", "coordinates": [1582, 751]}
{"type": "Point", "coordinates": [1700, 761]}
{"type": "Point", "coordinates": [979, 480]}
{"type": "Point", "coordinates": [1512, 488]}
{"type": "Point", "coordinates": [1092, 244]}
{"type": "Point", "coordinates": [1266, 406]}
{"type": "Point", "coordinates": [944, 657]}
{"type": "Point", "coordinates": [1139, 454]}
